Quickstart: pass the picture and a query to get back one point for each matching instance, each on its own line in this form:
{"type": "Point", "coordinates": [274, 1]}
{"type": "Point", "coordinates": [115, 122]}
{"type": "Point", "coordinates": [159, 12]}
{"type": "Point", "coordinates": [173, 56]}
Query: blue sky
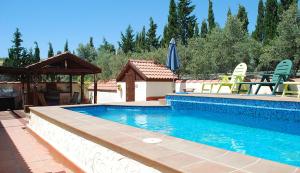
{"type": "Point", "coordinates": [77, 20]}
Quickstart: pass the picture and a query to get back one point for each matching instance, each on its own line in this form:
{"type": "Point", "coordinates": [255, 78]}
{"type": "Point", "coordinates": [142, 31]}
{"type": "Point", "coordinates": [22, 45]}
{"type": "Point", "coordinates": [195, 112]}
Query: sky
{"type": "Point", "coordinates": [56, 21]}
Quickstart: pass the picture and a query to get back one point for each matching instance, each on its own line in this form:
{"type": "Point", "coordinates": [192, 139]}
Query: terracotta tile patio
{"type": "Point", "coordinates": [22, 152]}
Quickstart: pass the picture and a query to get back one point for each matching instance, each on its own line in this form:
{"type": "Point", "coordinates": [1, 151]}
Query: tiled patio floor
{"type": "Point", "coordinates": [22, 152]}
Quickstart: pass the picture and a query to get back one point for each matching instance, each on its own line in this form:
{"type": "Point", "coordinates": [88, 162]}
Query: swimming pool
{"type": "Point", "coordinates": [268, 138]}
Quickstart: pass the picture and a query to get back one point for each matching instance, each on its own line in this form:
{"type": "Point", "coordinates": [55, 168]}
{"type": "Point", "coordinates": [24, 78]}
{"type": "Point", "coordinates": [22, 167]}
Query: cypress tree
{"type": "Point", "coordinates": [204, 29]}
{"type": "Point", "coordinates": [152, 40]}
{"type": "Point", "coordinates": [36, 55]}
{"type": "Point", "coordinates": [271, 19]}
{"type": "Point", "coordinates": [66, 48]}
{"type": "Point", "coordinates": [172, 28]}
{"type": "Point", "coordinates": [165, 37]}
{"type": "Point", "coordinates": [186, 20]}
{"type": "Point", "coordinates": [127, 40]}
{"type": "Point", "coordinates": [229, 12]}
{"type": "Point", "coordinates": [242, 16]}
{"type": "Point", "coordinates": [196, 33]}
{"type": "Point", "coordinates": [91, 42]}
{"type": "Point", "coordinates": [50, 51]}
{"type": "Point", "coordinates": [141, 40]}
{"type": "Point", "coordinates": [258, 33]}
{"type": "Point", "coordinates": [137, 42]}
{"type": "Point", "coordinates": [211, 16]}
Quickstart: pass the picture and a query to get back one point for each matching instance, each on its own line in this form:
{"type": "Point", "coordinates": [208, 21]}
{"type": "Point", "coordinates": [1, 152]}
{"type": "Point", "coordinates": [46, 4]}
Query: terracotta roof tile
{"type": "Point", "coordinates": [110, 85]}
{"type": "Point", "coordinates": [153, 70]}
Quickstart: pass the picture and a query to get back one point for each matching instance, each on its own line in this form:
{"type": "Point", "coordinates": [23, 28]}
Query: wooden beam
{"type": "Point", "coordinates": [71, 85]}
{"type": "Point", "coordinates": [95, 89]}
{"type": "Point", "coordinates": [81, 88]}
{"type": "Point", "coordinates": [63, 71]}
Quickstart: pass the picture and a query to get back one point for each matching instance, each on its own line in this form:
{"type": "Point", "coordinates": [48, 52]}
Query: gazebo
{"type": "Point", "coordinates": [61, 64]}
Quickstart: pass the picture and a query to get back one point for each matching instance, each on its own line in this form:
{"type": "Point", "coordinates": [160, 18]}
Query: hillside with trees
{"type": "Point", "coordinates": [204, 48]}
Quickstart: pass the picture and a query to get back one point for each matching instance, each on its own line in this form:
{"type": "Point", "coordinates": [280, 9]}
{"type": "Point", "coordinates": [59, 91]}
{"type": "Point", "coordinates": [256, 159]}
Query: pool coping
{"type": "Point", "coordinates": [242, 97]}
{"type": "Point", "coordinates": [171, 155]}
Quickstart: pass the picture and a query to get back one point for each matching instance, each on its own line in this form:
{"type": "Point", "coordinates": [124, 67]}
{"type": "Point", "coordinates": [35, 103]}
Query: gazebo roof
{"type": "Point", "coordinates": [64, 63]}
{"type": "Point", "coordinates": [12, 70]}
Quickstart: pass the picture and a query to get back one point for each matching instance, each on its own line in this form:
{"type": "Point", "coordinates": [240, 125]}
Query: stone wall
{"type": "Point", "coordinates": [87, 155]}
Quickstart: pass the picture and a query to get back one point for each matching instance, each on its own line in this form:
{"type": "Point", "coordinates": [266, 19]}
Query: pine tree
{"type": "Point", "coordinates": [91, 43]}
{"type": "Point", "coordinates": [127, 40]}
{"type": "Point", "coordinates": [36, 55]}
{"type": "Point", "coordinates": [243, 17]}
{"type": "Point", "coordinates": [196, 30]}
{"type": "Point", "coordinates": [106, 46]}
{"type": "Point", "coordinates": [66, 48]}
{"type": "Point", "coordinates": [204, 29]}
{"type": "Point", "coordinates": [15, 52]}
{"type": "Point", "coordinates": [87, 51]}
{"type": "Point", "coordinates": [211, 16]}
{"type": "Point", "coordinates": [186, 20]}
{"type": "Point", "coordinates": [258, 33]}
{"type": "Point", "coordinates": [271, 19]}
{"type": "Point", "coordinates": [50, 51]}
{"type": "Point", "coordinates": [152, 40]}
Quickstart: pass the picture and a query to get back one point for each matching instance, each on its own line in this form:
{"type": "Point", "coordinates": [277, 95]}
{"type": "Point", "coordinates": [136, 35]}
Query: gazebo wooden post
{"type": "Point", "coordinates": [71, 85]}
{"type": "Point", "coordinates": [23, 89]}
{"type": "Point", "coordinates": [35, 94]}
{"type": "Point", "coordinates": [95, 88]}
{"type": "Point", "coordinates": [28, 88]}
{"type": "Point", "coordinates": [81, 88]}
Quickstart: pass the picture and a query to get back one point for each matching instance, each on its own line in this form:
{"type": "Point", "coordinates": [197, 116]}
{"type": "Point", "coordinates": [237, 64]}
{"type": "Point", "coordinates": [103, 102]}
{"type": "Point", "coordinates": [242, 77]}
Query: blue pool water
{"type": "Point", "coordinates": [249, 135]}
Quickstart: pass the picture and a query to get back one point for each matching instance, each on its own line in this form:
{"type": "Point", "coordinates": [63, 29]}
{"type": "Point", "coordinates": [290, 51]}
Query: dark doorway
{"type": "Point", "coordinates": [130, 86]}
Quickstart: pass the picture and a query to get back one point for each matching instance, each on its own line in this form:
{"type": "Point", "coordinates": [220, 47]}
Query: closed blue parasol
{"type": "Point", "coordinates": [173, 58]}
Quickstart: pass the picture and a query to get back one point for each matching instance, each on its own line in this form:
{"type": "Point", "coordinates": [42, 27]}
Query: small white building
{"type": "Point", "coordinates": [139, 80]}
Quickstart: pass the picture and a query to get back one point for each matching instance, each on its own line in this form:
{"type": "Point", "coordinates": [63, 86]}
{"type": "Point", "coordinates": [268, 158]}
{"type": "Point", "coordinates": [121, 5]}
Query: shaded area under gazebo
{"type": "Point", "coordinates": [62, 64]}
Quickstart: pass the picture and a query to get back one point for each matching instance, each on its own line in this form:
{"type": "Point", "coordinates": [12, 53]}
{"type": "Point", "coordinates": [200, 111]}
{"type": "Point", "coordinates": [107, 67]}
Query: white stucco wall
{"type": "Point", "coordinates": [87, 155]}
{"type": "Point", "coordinates": [188, 85]}
{"type": "Point", "coordinates": [140, 91]}
{"type": "Point", "coordinates": [107, 97]}
{"type": "Point", "coordinates": [155, 89]}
